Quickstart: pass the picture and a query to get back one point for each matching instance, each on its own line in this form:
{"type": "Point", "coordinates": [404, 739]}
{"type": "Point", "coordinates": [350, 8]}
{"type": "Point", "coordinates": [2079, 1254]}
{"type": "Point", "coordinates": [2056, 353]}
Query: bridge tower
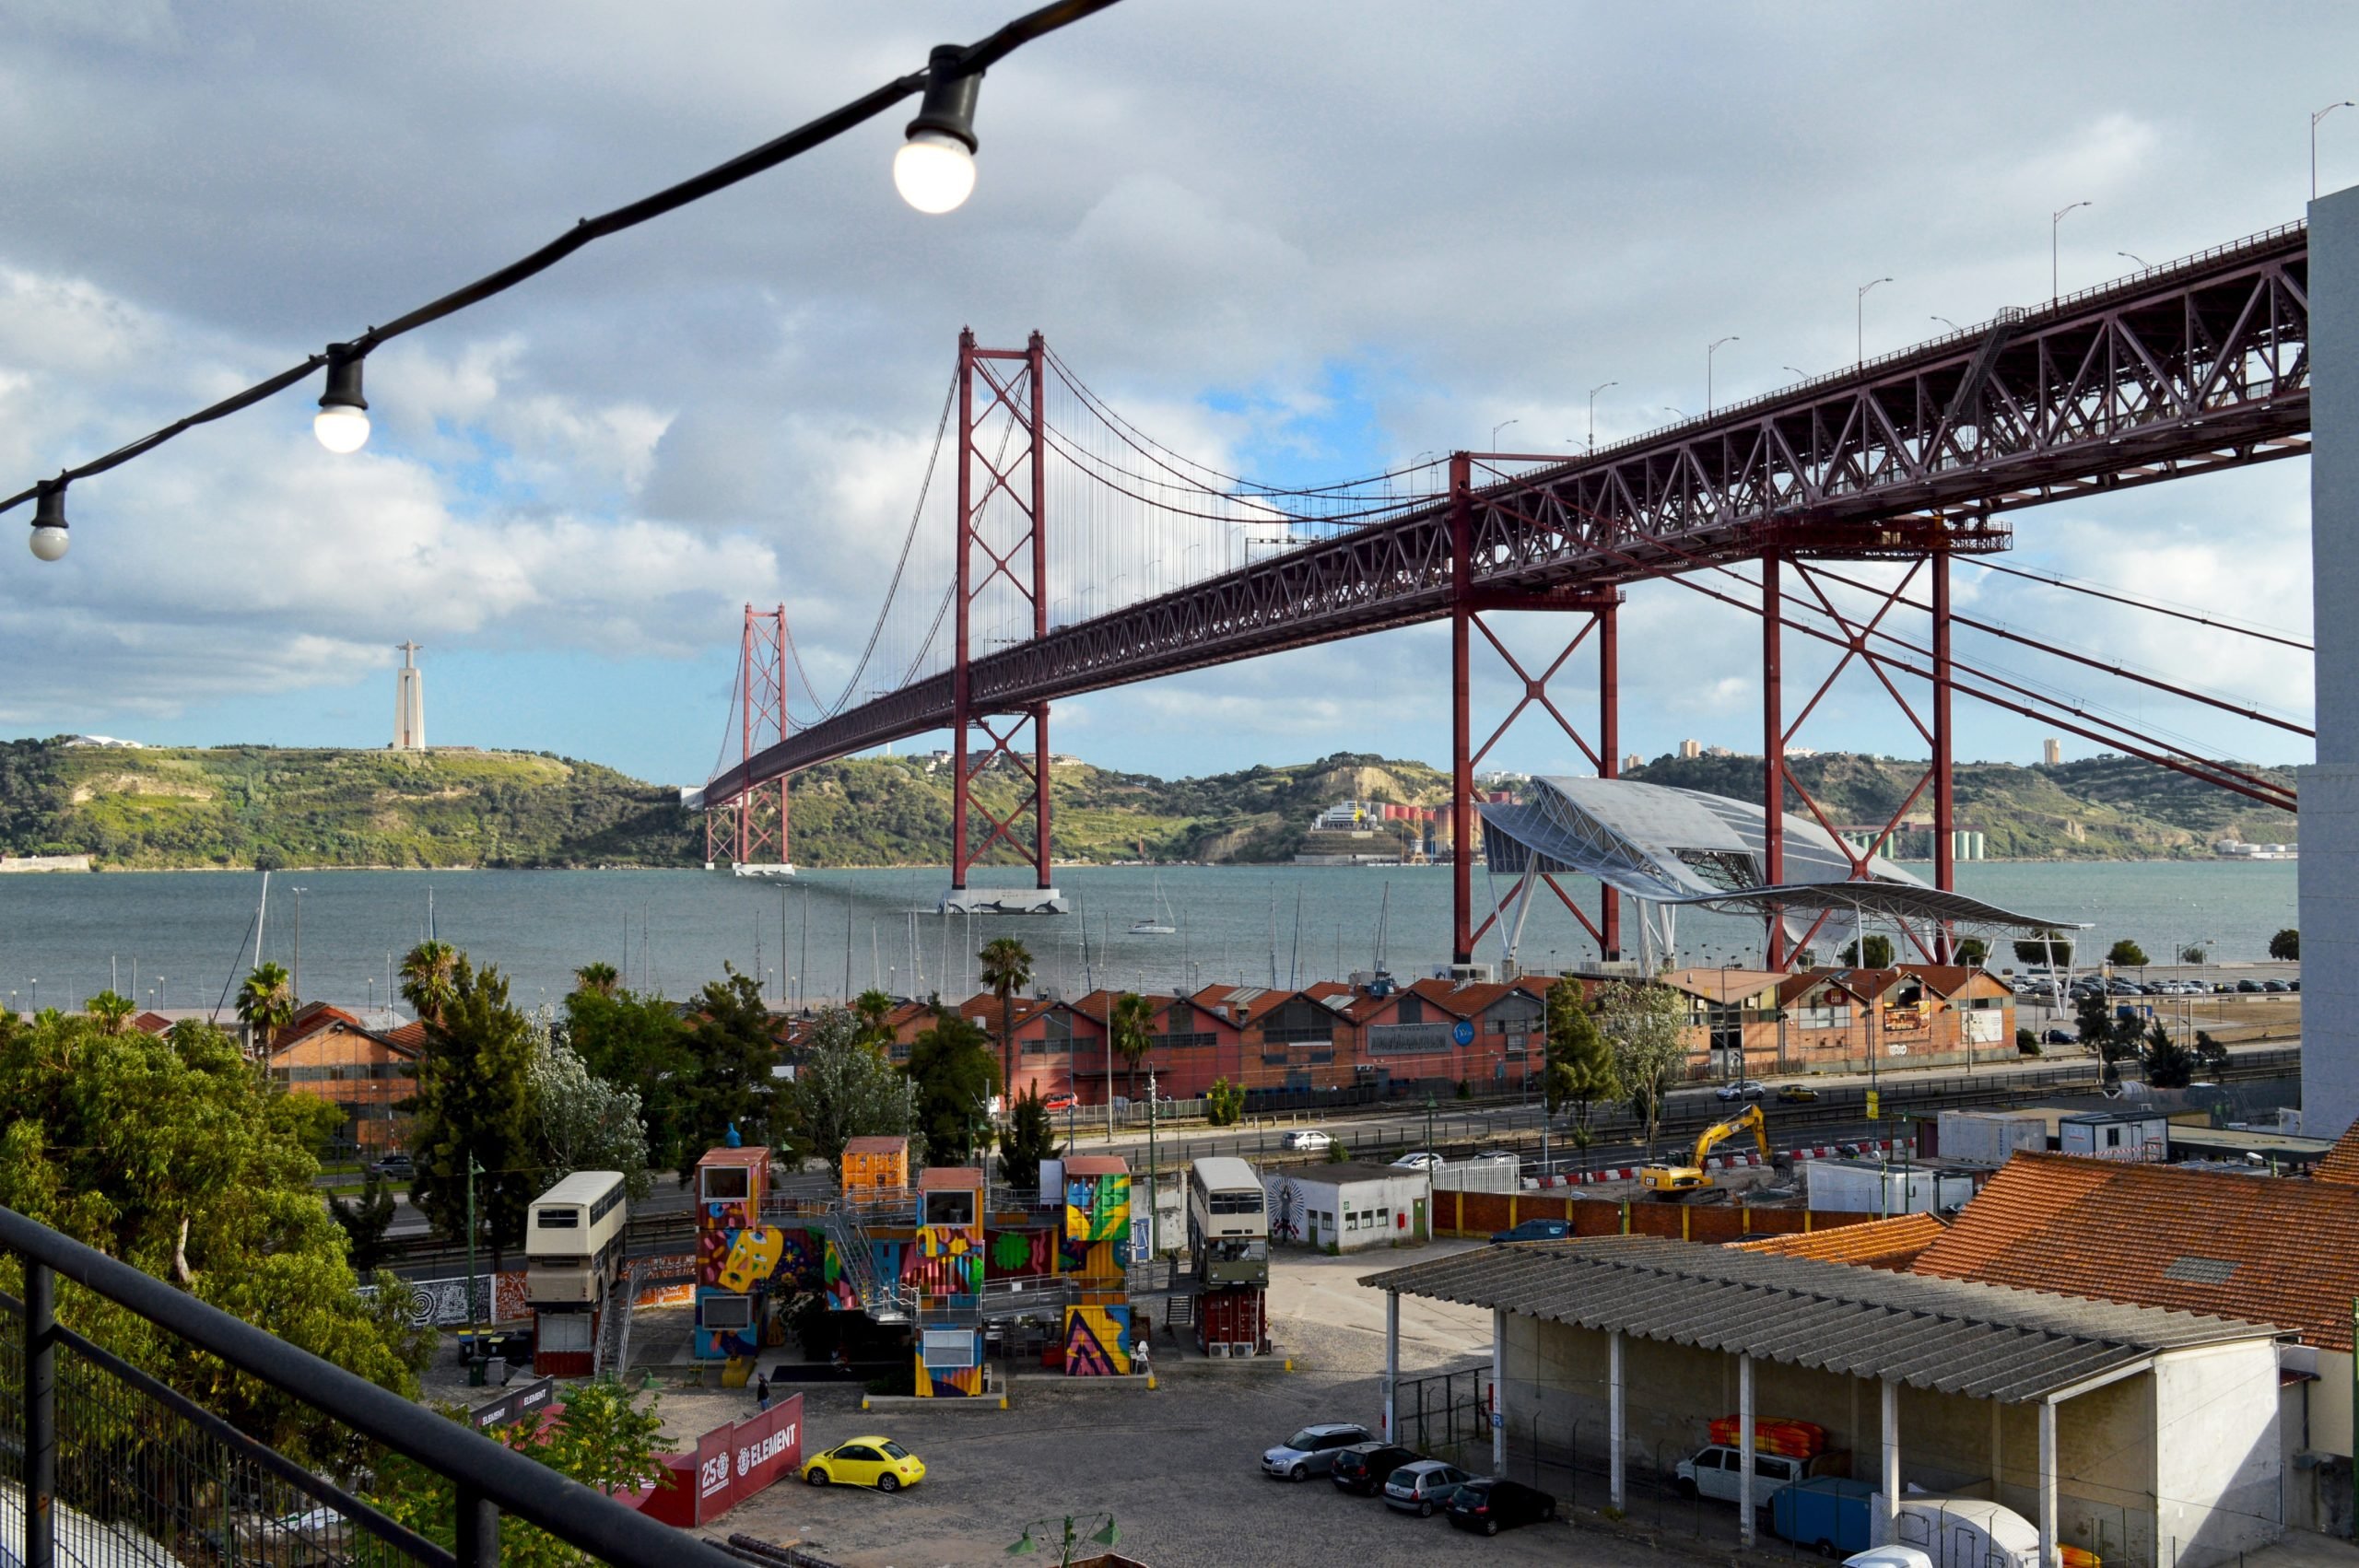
{"type": "Point", "coordinates": [1594, 615]}
{"type": "Point", "coordinates": [750, 830]}
{"type": "Point", "coordinates": [1001, 597]}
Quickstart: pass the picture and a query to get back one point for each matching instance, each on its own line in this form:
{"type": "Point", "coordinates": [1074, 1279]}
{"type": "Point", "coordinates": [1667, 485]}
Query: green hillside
{"type": "Point", "coordinates": [2104, 808]}
{"type": "Point", "coordinates": [244, 806]}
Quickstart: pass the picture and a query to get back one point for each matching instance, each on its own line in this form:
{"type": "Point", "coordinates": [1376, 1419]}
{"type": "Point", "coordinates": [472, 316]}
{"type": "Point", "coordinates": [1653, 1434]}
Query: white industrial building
{"type": "Point", "coordinates": [1350, 1207]}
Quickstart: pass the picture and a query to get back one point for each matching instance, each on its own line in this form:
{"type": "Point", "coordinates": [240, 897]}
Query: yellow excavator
{"type": "Point", "coordinates": [1674, 1181]}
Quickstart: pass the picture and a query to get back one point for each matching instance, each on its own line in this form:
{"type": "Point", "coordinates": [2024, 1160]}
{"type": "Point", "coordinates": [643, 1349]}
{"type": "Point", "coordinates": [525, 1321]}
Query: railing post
{"type": "Point", "coordinates": [477, 1540]}
{"type": "Point", "coordinates": [41, 1415]}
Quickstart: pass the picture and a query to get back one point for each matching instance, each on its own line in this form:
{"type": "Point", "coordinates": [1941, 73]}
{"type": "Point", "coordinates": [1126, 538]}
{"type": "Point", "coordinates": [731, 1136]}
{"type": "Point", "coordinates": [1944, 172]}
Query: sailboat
{"type": "Point", "coordinates": [1156, 924]}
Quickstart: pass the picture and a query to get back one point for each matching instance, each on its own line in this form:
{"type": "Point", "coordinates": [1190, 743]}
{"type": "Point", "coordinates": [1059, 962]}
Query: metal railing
{"type": "Point", "coordinates": [880, 1298]}
{"type": "Point", "coordinates": [101, 1461]}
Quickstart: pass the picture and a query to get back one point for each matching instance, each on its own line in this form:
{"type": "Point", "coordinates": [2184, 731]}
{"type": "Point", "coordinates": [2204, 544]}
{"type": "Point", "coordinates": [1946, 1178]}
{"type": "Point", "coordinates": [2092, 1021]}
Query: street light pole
{"type": "Point", "coordinates": [2314, 142]}
{"type": "Point", "coordinates": [1710, 349]}
{"type": "Point", "coordinates": [1859, 323]}
{"type": "Point", "coordinates": [2055, 223]}
{"type": "Point", "coordinates": [1600, 386]}
{"type": "Point", "coordinates": [1499, 426]}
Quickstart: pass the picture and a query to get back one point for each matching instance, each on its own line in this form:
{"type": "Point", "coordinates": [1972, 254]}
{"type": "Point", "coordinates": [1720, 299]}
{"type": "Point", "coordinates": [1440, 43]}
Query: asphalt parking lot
{"type": "Point", "coordinates": [1178, 1468]}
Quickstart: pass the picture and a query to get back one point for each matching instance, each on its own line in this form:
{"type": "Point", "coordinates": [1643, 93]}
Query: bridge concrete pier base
{"type": "Point", "coordinates": [1002, 901]}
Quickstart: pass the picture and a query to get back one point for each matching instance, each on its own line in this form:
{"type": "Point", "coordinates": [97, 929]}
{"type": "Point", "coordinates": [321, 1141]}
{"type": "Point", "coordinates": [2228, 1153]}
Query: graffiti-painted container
{"type": "Point", "coordinates": [875, 1166]}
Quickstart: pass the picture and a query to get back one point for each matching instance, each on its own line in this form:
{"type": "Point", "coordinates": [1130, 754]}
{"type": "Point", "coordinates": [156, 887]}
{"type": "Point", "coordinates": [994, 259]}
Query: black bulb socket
{"type": "Point", "coordinates": [344, 380]}
{"type": "Point", "coordinates": [950, 92]}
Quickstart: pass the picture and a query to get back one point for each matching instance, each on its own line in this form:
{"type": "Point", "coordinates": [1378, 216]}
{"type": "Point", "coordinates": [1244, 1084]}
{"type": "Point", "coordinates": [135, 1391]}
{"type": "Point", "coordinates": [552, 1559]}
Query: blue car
{"type": "Point", "coordinates": [1537, 1230]}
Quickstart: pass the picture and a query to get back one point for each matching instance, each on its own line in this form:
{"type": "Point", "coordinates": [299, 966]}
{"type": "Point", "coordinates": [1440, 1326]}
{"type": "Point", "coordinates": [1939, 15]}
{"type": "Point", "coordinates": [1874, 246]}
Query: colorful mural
{"type": "Point", "coordinates": [1097, 1342]}
{"type": "Point", "coordinates": [719, 1344]}
{"type": "Point", "coordinates": [950, 1363]}
{"type": "Point", "coordinates": [943, 1262]}
{"type": "Point", "coordinates": [753, 1257]}
{"type": "Point", "coordinates": [1098, 1207]}
{"type": "Point", "coordinates": [1020, 1255]}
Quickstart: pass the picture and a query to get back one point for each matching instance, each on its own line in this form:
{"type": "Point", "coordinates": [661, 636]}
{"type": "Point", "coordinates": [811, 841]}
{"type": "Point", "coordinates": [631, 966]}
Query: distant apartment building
{"type": "Point", "coordinates": [364, 1065]}
{"type": "Point", "coordinates": [1690, 748]}
{"type": "Point", "coordinates": [2051, 752]}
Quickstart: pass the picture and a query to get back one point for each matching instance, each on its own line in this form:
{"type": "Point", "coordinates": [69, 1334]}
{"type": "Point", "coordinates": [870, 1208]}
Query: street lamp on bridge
{"type": "Point", "coordinates": [1499, 426]}
{"type": "Point", "coordinates": [1859, 323]}
{"type": "Point", "coordinates": [2056, 222]}
{"type": "Point", "coordinates": [1600, 386]}
{"type": "Point", "coordinates": [2321, 114]}
{"type": "Point", "coordinates": [1709, 349]}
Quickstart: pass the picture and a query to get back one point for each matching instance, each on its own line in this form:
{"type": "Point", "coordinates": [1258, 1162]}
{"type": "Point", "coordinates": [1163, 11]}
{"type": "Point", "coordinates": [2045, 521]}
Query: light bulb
{"type": "Point", "coordinates": [341, 428]}
{"type": "Point", "coordinates": [48, 542]}
{"type": "Point", "coordinates": [933, 172]}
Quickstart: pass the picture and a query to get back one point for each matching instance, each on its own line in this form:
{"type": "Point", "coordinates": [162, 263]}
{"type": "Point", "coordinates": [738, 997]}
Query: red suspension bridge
{"type": "Point", "coordinates": [1080, 553]}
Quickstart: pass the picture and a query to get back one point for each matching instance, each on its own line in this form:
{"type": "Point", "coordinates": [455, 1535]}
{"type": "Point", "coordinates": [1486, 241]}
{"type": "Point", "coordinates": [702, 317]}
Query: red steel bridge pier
{"type": "Point", "coordinates": [1002, 562]}
{"type": "Point", "coordinates": [749, 828]}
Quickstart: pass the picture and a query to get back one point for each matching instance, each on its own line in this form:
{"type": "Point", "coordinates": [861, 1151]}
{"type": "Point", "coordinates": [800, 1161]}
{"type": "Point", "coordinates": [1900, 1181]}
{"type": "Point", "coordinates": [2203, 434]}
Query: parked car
{"type": "Point", "coordinates": [1418, 1160]}
{"type": "Point", "coordinates": [1536, 1230]}
{"type": "Point", "coordinates": [1490, 1504]}
{"type": "Point", "coordinates": [1715, 1470]}
{"type": "Point", "coordinates": [1499, 1157]}
{"type": "Point", "coordinates": [866, 1461]}
{"type": "Point", "coordinates": [2276, 987]}
{"type": "Point", "coordinates": [1312, 1450]}
{"type": "Point", "coordinates": [394, 1167]}
{"type": "Point", "coordinates": [1423, 1486]}
{"type": "Point", "coordinates": [1058, 1103]}
{"type": "Point", "coordinates": [2060, 1038]}
{"type": "Point", "coordinates": [2249, 987]}
{"type": "Point", "coordinates": [1742, 1089]}
{"type": "Point", "coordinates": [1363, 1468]}
{"type": "Point", "coordinates": [1796, 1094]}
{"type": "Point", "coordinates": [1306, 1138]}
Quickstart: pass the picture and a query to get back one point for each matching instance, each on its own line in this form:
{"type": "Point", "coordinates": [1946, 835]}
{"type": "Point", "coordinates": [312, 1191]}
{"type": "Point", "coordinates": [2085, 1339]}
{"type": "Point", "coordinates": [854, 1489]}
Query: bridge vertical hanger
{"type": "Point", "coordinates": [1002, 570]}
{"type": "Point", "coordinates": [749, 828]}
{"type": "Point", "coordinates": [1505, 509]}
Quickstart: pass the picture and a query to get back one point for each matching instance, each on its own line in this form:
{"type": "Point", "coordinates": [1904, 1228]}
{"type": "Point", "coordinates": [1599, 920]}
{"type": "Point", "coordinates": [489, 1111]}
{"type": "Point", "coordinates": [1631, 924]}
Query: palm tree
{"type": "Point", "coordinates": [427, 979]}
{"type": "Point", "coordinates": [598, 978]}
{"type": "Point", "coordinates": [266, 1003]}
{"type": "Point", "coordinates": [1132, 1020]}
{"type": "Point", "coordinates": [870, 1009]}
{"type": "Point", "coordinates": [1006, 969]}
{"type": "Point", "coordinates": [111, 1011]}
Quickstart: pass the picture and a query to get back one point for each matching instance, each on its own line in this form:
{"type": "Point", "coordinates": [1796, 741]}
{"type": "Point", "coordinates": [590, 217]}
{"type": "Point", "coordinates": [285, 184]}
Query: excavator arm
{"type": "Point", "coordinates": [1748, 1120]}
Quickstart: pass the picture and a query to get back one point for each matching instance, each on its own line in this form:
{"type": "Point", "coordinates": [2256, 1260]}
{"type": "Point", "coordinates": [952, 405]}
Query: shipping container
{"type": "Point", "coordinates": [1232, 1323]}
{"type": "Point", "coordinates": [565, 1343]}
{"type": "Point", "coordinates": [1987, 1137]}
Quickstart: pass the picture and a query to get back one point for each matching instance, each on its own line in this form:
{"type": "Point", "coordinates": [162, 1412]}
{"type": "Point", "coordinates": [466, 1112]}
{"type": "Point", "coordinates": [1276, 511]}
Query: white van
{"type": "Point", "coordinates": [1960, 1532]}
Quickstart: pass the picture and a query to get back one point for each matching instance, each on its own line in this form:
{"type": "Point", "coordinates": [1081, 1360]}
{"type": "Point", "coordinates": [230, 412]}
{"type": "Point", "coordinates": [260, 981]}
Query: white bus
{"type": "Point", "coordinates": [1228, 1229]}
{"type": "Point", "coordinates": [573, 1240]}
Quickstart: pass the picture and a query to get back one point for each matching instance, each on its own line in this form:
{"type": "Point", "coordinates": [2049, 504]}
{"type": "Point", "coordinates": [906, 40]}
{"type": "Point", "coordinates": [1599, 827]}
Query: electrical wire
{"type": "Point", "coordinates": [973, 59]}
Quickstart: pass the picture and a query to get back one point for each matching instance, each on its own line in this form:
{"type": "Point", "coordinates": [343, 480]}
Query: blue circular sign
{"type": "Point", "coordinates": [1463, 1032]}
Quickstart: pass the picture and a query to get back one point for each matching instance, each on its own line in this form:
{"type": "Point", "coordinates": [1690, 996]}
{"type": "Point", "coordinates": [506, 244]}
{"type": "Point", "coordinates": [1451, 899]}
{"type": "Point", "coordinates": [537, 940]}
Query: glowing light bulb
{"type": "Point", "coordinates": [933, 172]}
{"type": "Point", "coordinates": [341, 428]}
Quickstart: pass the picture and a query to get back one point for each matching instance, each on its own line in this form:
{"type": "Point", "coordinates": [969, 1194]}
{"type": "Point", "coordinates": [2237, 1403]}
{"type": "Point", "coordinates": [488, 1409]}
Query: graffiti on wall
{"type": "Point", "coordinates": [442, 1303]}
{"type": "Point", "coordinates": [1098, 1207]}
{"type": "Point", "coordinates": [1020, 1255]}
{"type": "Point", "coordinates": [1097, 1342]}
{"type": "Point", "coordinates": [753, 1256]}
{"type": "Point", "coordinates": [944, 1261]}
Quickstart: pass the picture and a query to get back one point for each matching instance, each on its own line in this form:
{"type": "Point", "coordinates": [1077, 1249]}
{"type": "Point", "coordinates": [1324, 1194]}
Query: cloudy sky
{"type": "Point", "coordinates": [1306, 241]}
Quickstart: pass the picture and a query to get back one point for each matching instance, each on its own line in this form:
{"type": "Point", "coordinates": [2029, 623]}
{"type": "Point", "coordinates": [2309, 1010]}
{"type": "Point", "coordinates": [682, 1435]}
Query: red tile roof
{"type": "Point", "coordinates": [2339, 1164]}
{"type": "Point", "coordinates": [2263, 1248]}
{"type": "Point", "coordinates": [1893, 1244]}
{"type": "Point", "coordinates": [949, 1178]}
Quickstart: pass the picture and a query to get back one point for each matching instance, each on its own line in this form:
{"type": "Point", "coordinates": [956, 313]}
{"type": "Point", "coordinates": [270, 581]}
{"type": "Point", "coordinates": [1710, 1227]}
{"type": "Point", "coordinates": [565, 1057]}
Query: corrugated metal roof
{"type": "Point", "coordinates": [1984, 1341]}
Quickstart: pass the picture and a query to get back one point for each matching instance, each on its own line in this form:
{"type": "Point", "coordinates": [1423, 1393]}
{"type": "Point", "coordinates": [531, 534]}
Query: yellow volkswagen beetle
{"type": "Point", "coordinates": [866, 1461]}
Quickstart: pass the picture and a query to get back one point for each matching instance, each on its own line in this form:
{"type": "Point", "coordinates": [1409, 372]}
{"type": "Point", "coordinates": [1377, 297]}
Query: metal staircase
{"type": "Point", "coordinates": [883, 1300]}
{"type": "Point", "coordinates": [613, 1351]}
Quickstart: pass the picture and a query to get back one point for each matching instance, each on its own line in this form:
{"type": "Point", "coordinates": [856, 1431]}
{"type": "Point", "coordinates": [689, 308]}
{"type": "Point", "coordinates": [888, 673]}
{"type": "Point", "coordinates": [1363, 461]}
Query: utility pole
{"type": "Point", "coordinates": [474, 1345]}
{"type": "Point", "coordinates": [1154, 1187]}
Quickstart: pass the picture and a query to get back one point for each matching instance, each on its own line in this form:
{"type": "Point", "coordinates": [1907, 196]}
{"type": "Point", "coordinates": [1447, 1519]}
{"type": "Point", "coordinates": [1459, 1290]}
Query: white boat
{"type": "Point", "coordinates": [773, 869]}
{"type": "Point", "coordinates": [1156, 925]}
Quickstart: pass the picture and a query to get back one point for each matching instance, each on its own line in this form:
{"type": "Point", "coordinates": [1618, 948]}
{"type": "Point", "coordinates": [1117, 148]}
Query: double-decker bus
{"type": "Point", "coordinates": [573, 1240]}
{"type": "Point", "coordinates": [1228, 1228]}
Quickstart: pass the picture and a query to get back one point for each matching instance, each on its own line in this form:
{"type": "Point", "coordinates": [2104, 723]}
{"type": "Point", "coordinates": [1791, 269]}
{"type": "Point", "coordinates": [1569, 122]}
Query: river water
{"type": "Point", "coordinates": [64, 937]}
